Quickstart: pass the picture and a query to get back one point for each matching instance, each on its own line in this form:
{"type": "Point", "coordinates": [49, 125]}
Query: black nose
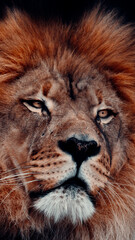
{"type": "Point", "coordinates": [80, 150]}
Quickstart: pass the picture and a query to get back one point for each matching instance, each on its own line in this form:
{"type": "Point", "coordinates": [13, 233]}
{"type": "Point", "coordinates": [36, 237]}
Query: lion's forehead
{"type": "Point", "coordinates": [56, 82]}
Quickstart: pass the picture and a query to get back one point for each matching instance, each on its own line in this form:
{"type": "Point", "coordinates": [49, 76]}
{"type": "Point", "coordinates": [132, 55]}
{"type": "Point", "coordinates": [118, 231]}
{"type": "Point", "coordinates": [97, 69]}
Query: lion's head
{"type": "Point", "coordinates": [67, 123]}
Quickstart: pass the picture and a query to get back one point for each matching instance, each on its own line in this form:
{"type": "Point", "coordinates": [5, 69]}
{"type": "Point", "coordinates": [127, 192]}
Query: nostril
{"type": "Point", "coordinates": [66, 146]}
{"type": "Point", "coordinates": [91, 148]}
{"type": "Point", "coordinates": [80, 150]}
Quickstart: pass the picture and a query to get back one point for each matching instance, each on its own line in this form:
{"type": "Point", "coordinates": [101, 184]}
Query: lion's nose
{"type": "Point", "coordinates": [80, 150]}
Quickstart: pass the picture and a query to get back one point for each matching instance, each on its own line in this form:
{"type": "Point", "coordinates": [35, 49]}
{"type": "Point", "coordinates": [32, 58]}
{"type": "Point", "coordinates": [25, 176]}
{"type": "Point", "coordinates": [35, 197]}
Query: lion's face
{"type": "Point", "coordinates": [67, 128]}
{"type": "Point", "coordinates": [64, 129]}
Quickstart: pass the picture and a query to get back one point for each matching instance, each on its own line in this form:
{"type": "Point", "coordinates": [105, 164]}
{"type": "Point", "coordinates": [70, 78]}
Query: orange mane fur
{"type": "Point", "coordinates": [109, 45]}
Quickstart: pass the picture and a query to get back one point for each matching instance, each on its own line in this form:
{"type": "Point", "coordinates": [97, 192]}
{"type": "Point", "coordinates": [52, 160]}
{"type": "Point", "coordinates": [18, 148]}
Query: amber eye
{"type": "Point", "coordinates": [35, 103]}
{"type": "Point", "coordinates": [105, 113]}
{"type": "Point", "coordinates": [36, 106]}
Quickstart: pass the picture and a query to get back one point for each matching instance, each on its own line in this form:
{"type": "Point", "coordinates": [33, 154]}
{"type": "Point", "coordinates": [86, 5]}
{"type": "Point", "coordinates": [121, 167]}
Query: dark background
{"type": "Point", "coordinates": [68, 10]}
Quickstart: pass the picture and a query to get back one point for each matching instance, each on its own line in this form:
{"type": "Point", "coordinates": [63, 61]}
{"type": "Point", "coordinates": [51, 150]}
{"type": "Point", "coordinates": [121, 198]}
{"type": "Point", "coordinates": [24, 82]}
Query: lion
{"type": "Point", "coordinates": [67, 123]}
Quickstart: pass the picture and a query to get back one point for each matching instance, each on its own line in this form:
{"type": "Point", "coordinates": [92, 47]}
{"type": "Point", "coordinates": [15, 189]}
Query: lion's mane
{"type": "Point", "coordinates": [109, 45]}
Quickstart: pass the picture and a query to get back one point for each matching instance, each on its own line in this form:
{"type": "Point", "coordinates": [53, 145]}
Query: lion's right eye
{"type": "Point", "coordinates": [36, 106]}
{"type": "Point", "coordinates": [34, 103]}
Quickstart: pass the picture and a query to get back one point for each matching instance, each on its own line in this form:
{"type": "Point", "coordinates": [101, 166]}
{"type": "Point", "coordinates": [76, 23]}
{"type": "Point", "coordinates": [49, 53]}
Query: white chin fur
{"type": "Point", "coordinates": [72, 203]}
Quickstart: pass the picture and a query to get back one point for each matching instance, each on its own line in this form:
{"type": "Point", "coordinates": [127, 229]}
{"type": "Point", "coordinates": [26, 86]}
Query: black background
{"type": "Point", "coordinates": [69, 10]}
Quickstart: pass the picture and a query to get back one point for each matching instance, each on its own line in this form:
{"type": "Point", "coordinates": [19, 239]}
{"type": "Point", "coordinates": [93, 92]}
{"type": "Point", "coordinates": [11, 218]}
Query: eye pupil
{"type": "Point", "coordinates": [103, 113]}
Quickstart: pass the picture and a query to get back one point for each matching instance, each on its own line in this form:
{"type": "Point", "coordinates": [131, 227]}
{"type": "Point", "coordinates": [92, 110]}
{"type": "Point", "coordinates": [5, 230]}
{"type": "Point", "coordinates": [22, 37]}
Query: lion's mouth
{"type": "Point", "coordinates": [72, 184]}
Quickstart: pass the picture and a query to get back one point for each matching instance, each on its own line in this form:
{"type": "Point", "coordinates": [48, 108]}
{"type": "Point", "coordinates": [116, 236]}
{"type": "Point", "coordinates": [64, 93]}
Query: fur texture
{"type": "Point", "coordinates": [60, 86]}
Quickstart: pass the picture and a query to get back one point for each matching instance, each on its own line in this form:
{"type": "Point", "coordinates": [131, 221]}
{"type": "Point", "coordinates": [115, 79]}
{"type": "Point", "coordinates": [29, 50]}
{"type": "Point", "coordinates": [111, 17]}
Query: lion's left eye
{"type": "Point", "coordinates": [105, 113]}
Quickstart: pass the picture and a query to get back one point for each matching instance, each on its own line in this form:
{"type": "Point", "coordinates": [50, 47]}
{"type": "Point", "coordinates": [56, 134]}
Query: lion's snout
{"type": "Point", "coordinates": [80, 150]}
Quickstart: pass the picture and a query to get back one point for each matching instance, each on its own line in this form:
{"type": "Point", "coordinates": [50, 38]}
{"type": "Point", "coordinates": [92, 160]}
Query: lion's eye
{"type": "Point", "coordinates": [36, 106]}
{"type": "Point", "coordinates": [35, 103]}
{"type": "Point", "coordinates": [105, 115]}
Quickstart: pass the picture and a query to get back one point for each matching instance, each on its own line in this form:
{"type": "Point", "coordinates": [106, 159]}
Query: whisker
{"type": "Point", "coordinates": [101, 196]}
{"type": "Point", "coordinates": [9, 194]}
{"type": "Point", "coordinates": [35, 180]}
{"type": "Point", "coordinates": [108, 197]}
{"type": "Point", "coordinates": [18, 186]}
{"type": "Point", "coordinates": [16, 168]}
{"type": "Point", "coordinates": [15, 176]}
